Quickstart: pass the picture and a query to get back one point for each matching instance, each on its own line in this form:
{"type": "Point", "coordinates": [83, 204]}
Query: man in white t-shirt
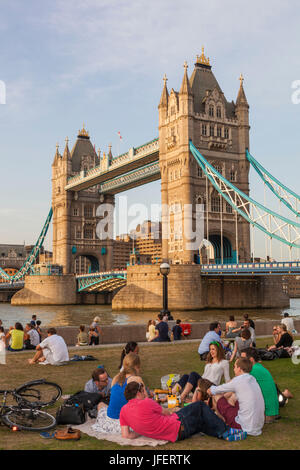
{"type": "Point", "coordinates": [288, 322]}
{"type": "Point", "coordinates": [240, 402]}
{"type": "Point", "coordinates": [51, 350]}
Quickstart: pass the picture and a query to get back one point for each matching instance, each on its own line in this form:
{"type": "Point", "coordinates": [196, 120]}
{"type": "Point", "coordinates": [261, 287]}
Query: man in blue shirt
{"type": "Point", "coordinates": [99, 383]}
{"type": "Point", "coordinates": [177, 331]}
{"type": "Point", "coordinates": [161, 330]}
{"type": "Point", "coordinates": [212, 335]}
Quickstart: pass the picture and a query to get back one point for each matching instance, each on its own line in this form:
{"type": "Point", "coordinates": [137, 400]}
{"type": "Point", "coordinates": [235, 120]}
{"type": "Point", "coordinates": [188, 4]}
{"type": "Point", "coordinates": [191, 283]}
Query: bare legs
{"type": "Point", "coordinates": [38, 357]}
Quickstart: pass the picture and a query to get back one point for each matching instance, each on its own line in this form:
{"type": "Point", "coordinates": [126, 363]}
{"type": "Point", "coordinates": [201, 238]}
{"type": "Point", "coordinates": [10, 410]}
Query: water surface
{"type": "Point", "coordinates": [74, 315]}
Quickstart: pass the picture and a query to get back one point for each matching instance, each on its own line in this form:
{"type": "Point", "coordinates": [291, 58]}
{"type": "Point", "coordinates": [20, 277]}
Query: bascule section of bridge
{"type": "Point", "coordinates": [101, 282]}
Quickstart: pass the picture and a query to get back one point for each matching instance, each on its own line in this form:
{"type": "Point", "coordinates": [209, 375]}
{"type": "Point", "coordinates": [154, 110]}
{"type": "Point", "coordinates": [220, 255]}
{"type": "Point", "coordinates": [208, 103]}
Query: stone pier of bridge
{"type": "Point", "coordinates": [187, 290]}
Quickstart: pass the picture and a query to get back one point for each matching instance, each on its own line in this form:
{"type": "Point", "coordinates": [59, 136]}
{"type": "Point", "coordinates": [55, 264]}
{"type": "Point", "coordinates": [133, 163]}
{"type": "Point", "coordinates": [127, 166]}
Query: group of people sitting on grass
{"type": "Point", "coordinates": [231, 410]}
{"type": "Point", "coordinates": [92, 337]}
{"type": "Point", "coordinates": [159, 330]}
{"type": "Point", "coordinates": [51, 350]}
{"type": "Point", "coordinates": [19, 338]}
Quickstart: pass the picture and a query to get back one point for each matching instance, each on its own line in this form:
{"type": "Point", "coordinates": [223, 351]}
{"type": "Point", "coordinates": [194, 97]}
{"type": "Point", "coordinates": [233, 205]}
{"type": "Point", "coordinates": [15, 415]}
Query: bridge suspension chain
{"type": "Point", "coordinates": [272, 224]}
{"type": "Point", "coordinates": [33, 255]}
{"type": "Point", "coordinates": [282, 192]}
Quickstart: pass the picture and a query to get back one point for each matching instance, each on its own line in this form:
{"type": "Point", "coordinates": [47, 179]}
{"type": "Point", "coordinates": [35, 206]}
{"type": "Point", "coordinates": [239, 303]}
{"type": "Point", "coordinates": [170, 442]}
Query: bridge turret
{"type": "Point", "coordinates": [57, 156]}
{"type": "Point", "coordinates": [163, 104]}
{"type": "Point", "coordinates": [66, 154]}
{"type": "Point", "coordinates": [242, 114]}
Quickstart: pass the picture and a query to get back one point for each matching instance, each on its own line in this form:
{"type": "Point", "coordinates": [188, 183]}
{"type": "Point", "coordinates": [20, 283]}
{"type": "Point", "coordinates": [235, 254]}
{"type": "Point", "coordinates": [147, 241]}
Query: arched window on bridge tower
{"type": "Point", "coordinates": [201, 200]}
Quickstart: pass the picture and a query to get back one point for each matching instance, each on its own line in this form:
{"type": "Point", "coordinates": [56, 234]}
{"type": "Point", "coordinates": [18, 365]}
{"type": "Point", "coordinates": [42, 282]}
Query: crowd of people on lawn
{"type": "Point", "coordinates": [231, 410]}
{"type": "Point", "coordinates": [213, 403]}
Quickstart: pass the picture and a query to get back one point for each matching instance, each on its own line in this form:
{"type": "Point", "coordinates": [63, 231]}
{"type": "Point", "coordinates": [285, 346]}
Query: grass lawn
{"type": "Point", "coordinates": [157, 360]}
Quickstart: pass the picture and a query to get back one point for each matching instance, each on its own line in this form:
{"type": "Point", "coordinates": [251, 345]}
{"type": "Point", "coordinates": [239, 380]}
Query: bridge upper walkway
{"type": "Point", "coordinates": [127, 164]}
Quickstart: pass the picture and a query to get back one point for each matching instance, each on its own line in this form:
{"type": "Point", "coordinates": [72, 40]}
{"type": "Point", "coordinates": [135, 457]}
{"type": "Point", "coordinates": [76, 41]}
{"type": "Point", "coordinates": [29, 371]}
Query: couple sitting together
{"type": "Point", "coordinates": [108, 416]}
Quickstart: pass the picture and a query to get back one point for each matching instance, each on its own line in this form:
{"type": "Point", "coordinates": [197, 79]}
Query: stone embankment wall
{"type": "Point", "coordinates": [188, 290]}
{"type": "Point", "coordinates": [113, 334]}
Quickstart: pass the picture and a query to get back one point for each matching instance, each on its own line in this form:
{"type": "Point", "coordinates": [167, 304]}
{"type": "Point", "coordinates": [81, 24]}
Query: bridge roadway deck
{"type": "Point", "coordinates": [92, 280]}
{"type": "Point", "coordinates": [255, 269]}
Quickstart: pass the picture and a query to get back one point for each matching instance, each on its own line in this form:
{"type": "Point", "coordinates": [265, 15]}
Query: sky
{"type": "Point", "coordinates": [101, 62]}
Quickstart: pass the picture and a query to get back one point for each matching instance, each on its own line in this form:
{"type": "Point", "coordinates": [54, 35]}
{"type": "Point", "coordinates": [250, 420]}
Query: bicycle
{"type": "Point", "coordinates": [30, 397]}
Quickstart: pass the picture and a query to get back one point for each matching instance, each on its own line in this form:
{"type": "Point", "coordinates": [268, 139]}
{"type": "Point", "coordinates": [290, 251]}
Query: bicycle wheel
{"type": "Point", "coordinates": [40, 393]}
{"type": "Point", "coordinates": [29, 419]}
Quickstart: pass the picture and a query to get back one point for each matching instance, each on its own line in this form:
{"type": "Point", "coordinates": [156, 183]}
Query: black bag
{"type": "Point", "coordinates": [70, 414]}
{"type": "Point", "coordinates": [76, 358]}
{"type": "Point", "coordinates": [281, 353]}
{"type": "Point", "coordinates": [265, 355]}
{"type": "Point", "coordinates": [87, 400]}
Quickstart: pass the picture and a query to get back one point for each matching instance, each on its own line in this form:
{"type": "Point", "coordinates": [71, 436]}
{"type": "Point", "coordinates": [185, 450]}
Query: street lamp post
{"type": "Point", "coordinates": [164, 270]}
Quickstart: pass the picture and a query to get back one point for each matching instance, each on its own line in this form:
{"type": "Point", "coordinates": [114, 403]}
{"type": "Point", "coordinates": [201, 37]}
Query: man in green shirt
{"type": "Point", "coordinates": [266, 383]}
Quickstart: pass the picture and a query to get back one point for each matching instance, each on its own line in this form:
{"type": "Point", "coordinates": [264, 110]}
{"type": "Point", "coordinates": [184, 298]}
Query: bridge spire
{"type": "Point", "coordinates": [110, 156]}
{"type": "Point", "coordinates": [83, 133]}
{"type": "Point", "coordinates": [185, 86]}
{"type": "Point", "coordinates": [67, 155]}
{"type": "Point", "coordinates": [57, 155]}
{"type": "Point", "coordinates": [165, 94]}
{"type": "Point", "coordinates": [241, 98]}
{"type": "Point", "coordinates": [202, 60]}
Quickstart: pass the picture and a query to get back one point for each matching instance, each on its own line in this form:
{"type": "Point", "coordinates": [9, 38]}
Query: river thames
{"type": "Point", "coordinates": [74, 315]}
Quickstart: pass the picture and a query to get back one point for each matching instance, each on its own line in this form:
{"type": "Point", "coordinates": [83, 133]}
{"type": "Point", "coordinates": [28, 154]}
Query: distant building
{"type": "Point", "coordinates": [291, 285]}
{"type": "Point", "coordinates": [12, 257]}
{"type": "Point", "coordinates": [144, 243]}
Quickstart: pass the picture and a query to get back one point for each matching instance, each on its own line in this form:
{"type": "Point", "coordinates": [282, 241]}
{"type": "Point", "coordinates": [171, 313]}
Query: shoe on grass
{"type": "Point", "coordinates": [233, 434]}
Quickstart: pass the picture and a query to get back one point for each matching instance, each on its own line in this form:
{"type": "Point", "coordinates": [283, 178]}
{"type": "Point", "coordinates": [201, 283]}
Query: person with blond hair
{"type": "Point", "coordinates": [285, 339]}
{"type": "Point", "coordinates": [108, 416]}
{"type": "Point", "coordinates": [150, 334]}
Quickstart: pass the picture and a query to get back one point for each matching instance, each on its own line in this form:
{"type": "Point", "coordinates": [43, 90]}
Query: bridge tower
{"type": "Point", "coordinates": [74, 213]}
{"type": "Point", "coordinates": [220, 130]}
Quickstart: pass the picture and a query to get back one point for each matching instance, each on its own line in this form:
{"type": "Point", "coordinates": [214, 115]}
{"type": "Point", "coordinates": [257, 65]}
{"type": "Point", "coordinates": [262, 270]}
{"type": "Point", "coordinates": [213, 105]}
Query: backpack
{"type": "Point", "coordinates": [87, 400]}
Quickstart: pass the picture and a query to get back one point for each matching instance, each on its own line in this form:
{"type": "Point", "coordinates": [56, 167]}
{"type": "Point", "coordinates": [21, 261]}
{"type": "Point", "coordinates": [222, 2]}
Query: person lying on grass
{"type": "Point", "coordinates": [142, 416]}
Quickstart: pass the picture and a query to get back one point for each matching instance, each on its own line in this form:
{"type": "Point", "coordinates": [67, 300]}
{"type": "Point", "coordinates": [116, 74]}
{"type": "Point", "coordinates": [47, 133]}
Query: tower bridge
{"type": "Point", "coordinates": [202, 157]}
